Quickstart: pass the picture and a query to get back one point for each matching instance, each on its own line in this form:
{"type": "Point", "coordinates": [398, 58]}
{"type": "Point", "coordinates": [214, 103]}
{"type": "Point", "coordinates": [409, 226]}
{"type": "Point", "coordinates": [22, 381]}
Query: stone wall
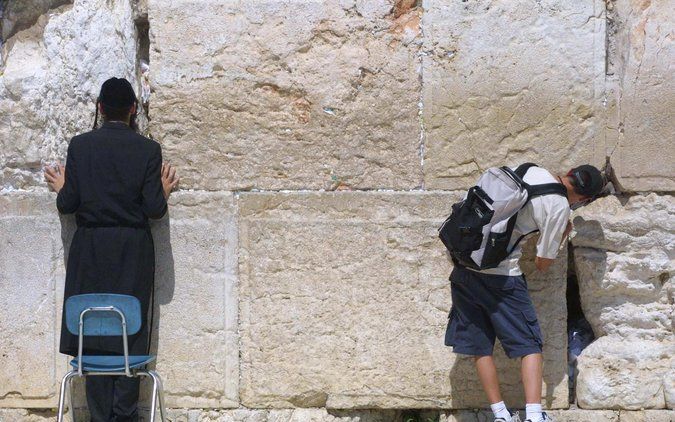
{"type": "Point", "coordinates": [320, 144]}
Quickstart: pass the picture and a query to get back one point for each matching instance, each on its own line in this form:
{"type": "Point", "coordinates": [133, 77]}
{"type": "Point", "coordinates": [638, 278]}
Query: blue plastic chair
{"type": "Point", "coordinates": [107, 315]}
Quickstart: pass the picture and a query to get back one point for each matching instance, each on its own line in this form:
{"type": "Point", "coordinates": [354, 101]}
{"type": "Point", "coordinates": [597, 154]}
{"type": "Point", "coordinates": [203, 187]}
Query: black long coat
{"type": "Point", "coordinates": [113, 186]}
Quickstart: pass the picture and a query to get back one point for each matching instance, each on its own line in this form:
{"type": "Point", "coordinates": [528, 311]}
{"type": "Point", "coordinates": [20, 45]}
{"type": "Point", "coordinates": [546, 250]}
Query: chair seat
{"type": "Point", "coordinates": [111, 363]}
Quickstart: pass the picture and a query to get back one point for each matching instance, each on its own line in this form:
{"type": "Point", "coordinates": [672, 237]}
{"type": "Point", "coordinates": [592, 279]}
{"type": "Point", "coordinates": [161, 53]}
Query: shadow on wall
{"type": "Point", "coordinates": [165, 281]}
{"type": "Point", "coordinates": [165, 276]}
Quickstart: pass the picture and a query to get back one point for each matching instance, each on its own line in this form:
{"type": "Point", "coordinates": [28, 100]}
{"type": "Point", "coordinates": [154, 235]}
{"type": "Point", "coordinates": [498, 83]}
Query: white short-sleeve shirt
{"type": "Point", "coordinates": [548, 213]}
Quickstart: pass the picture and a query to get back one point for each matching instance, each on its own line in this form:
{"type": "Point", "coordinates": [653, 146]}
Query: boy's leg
{"type": "Point", "coordinates": [487, 372]}
{"type": "Point", "coordinates": [531, 372]}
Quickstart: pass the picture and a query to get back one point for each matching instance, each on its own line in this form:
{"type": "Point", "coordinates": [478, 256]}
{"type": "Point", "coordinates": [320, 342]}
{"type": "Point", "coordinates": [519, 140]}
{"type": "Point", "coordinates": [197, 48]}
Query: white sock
{"type": "Point", "coordinates": [533, 412]}
{"type": "Point", "coordinates": [500, 411]}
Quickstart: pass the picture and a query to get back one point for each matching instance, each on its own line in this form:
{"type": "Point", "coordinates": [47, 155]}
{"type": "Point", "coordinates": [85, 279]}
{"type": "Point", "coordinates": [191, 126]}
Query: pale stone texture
{"type": "Point", "coordinates": [50, 75]}
{"type": "Point", "coordinates": [624, 373]}
{"type": "Point", "coordinates": [510, 82]}
{"type": "Point", "coordinates": [344, 303]}
{"type": "Point", "coordinates": [33, 250]}
{"type": "Point", "coordinates": [648, 416]}
{"type": "Point", "coordinates": [641, 80]}
{"type": "Point", "coordinates": [24, 415]}
{"type": "Point", "coordinates": [322, 415]}
{"type": "Point", "coordinates": [195, 333]}
{"type": "Point", "coordinates": [286, 95]}
{"type": "Point", "coordinates": [31, 272]}
{"type": "Point", "coordinates": [624, 251]}
{"type": "Point", "coordinates": [571, 415]}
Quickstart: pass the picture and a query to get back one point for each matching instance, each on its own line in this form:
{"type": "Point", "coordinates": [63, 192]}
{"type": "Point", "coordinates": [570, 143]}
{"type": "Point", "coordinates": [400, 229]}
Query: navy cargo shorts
{"type": "Point", "coordinates": [485, 306]}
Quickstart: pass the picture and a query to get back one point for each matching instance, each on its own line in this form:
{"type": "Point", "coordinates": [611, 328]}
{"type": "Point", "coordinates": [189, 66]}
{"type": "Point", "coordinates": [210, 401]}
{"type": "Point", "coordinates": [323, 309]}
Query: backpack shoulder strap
{"type": "Point", "coordinates": [523, 168]}
{"type": "Point", "coordinates": [546, 189]}
{"type": "Point", "coordinates": [540, 190]}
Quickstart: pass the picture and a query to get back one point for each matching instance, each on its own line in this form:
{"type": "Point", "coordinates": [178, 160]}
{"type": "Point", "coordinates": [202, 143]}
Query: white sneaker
{"type": "Point", "coordinates": [544, 418]}
{"type": "Point", "coordinates": [514, 418]}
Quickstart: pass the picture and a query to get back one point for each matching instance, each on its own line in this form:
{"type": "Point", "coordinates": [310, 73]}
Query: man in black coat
{"type": "Point", "coordinates": [114, 181]}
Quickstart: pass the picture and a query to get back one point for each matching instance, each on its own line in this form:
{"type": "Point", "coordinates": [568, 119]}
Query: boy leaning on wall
{"type": "Point", "coordinates": [489, 291]}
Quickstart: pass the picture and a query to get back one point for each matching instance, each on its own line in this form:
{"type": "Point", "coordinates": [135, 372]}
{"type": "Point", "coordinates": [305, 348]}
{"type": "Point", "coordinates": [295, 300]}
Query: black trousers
{"type": "Point", "coordinates": [113, 398]}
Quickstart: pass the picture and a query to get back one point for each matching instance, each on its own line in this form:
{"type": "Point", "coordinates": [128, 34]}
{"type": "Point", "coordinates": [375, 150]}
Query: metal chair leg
{"type": "Point", "coordinates": [62, 395]}
{"type": "Point", "coordinates": [153, 407]}
{"type": "Point", "coordinates": [160, 393]}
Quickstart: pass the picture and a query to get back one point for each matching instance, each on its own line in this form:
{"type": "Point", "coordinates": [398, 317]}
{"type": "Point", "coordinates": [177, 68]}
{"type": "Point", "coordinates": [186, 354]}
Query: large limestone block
{"type": "Point", "coordinates": [196, 300]}
{"type": "Point", "coordinates": [641, 81]}
{"type": "Point", "coordinates": [623, 251]}
{"type": "Point", "coordinates": [624, 258]}
{"type": "Point", "coordinates": [49, 79]}
{"type": "Point", "coordinates": [297, 94]}
{"type": "Point", "coordinates": [344, 303]}
{"type": "Point", "coordinates": [621, 373]}
{"type": "Point", "coordinates": [31, 274]}
{"type": "Point", "coordinates": [510, 82]}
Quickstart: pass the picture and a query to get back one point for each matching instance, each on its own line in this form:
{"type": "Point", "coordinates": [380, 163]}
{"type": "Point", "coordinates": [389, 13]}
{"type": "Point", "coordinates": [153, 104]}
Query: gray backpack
{"type": "Point", "coordinates": [478, 231]}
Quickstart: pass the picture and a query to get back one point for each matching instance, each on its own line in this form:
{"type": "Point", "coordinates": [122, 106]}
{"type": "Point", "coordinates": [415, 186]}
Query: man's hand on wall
{"type": "Point", "coordinates": [169, 179]}
{"type": "Point", "coordinates": [55, 176]}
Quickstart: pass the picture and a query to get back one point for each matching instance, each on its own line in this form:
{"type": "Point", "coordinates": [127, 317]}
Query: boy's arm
{"type": "Point", "coordinates": [552, 218]}
{"type": "Point", "coordinates": [542, 264]}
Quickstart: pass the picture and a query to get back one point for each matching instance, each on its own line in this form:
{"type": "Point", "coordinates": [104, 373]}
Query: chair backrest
{"type": "Point", "coordinates": [103, 323]}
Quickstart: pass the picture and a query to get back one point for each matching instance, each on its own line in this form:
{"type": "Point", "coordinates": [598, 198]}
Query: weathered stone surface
{"type": "Point", "coordinates": [196, 304]}
{"type": "Point", "coordinates": [322, 415]}
{"type": "Point", "coordinates": [344, 302]}
{"type": "Point", "coordinates": [16, 16]}
{"type": "Point", "coordinates": [640, 73]}
{"type": "Point", "coordinates": [575, 415]}
{"type": "Point", "coordinates": [648, 416]}
{"type": "Point", "coordinates": [624, 373]}
{"type": "Point", "coordinates": [510, 82]}
{"type": "Point", "coordinates": [49, 79]}
{"type": "Point", "coordinates": [624, 258]}
{"type": "Point", "coordinates": [578, 415]}
{"type": "Point", "coordinates": [31, 270]}
{"type": "Point", "coordinates": [287, 95]}
{"type": "Point", "coordinates": [24, 415]}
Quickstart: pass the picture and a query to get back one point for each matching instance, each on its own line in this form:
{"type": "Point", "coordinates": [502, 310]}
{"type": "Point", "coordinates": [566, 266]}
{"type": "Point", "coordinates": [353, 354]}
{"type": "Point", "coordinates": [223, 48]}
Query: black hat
{"type": "Point", "coordinates": [117, 93]}
{"type": "Point", "coordinates": [587, 180]}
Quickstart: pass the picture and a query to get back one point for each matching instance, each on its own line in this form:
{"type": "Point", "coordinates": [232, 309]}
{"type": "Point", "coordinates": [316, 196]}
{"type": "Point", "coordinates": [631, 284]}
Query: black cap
{"type": "Point", "coordinates": [587, 180]}
{"type": "Point", "coordinates": [117, 93]}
